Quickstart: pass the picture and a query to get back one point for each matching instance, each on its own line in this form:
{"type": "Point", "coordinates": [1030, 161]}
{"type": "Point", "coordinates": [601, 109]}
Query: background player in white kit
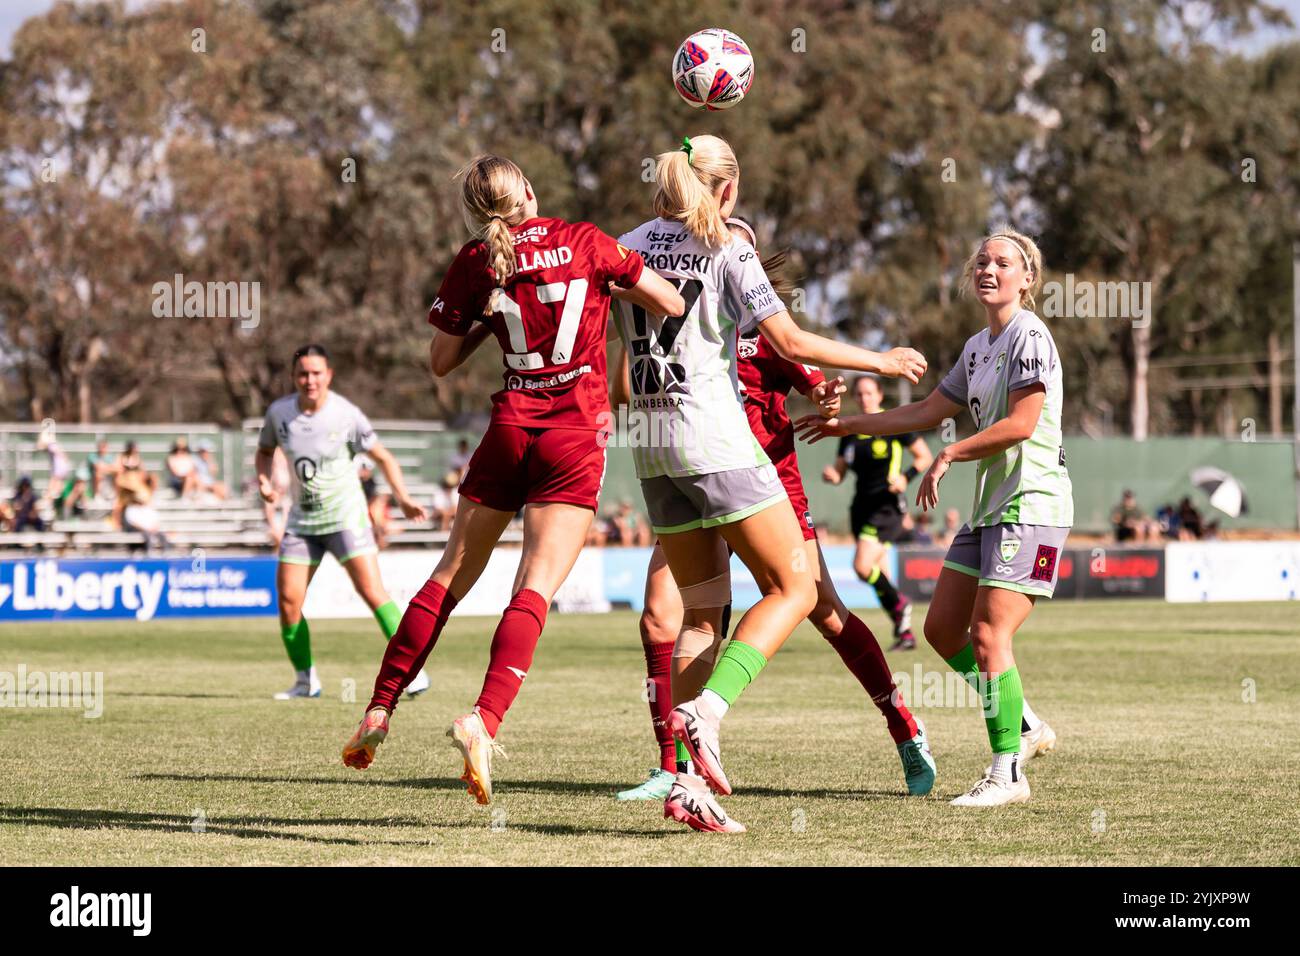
{"type": "Point", "coordinates": [320, 432]}
{"type": "Point", "coordinates": [1008, 555]}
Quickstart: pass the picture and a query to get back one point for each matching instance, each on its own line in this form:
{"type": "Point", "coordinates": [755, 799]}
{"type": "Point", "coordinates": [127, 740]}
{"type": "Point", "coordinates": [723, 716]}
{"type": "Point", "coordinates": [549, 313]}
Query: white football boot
{"type": "Point", "coordinates": [690, 802]}
{"type": "Point", "coordinates": [307, 685]}
{"type": "Point", "coordinates": [418, 685]}
{"type": "Point", "coordinates": [990, 792]}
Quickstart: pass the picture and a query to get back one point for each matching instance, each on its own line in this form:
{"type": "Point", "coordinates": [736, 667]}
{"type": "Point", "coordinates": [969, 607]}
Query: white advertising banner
{"type": "Point", "coordinates": [404, 573]}
{"type": "Point", "coordinates": [1232, 571]}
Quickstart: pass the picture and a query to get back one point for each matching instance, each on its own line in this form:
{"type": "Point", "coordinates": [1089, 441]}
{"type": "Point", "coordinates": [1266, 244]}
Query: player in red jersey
{"type": "Point", "coordinates": [542, 286]}
{"type": "Point", "coordinates": [766, 379]}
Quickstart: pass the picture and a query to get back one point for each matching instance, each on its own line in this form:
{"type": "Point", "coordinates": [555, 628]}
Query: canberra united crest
{"type": "Point", "coordinates": [1002, 357]}
{"type": "Point", "coordinates": [1009, 549]}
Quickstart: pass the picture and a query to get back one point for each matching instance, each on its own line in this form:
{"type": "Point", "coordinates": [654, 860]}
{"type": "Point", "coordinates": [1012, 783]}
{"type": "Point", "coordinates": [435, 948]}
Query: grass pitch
{"type": "Point", "coordinates": [1163, 756]}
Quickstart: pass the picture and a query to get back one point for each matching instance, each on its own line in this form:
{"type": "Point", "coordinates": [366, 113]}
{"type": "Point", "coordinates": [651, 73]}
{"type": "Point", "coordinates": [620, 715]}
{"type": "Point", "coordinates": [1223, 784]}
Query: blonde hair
{"type": "Point", "coordinates": [493, 194]}
{"type": "Point", "coordinates": [686, 180]}
{"type": "Point", "coordinates": [1029, 252]}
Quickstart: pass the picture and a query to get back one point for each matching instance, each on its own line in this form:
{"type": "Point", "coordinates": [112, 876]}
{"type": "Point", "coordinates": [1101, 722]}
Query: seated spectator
{"type": "Point", "coordinates": [182, 474]}
{"type": "Point", "coordinates": [460, 460]}
{"type": "Point", "coordinates": [1130, 523]}
{"type": "Point", "coordinates": [130, 459]}
{"type": "Point", "coordinates": [6, 516]}
{"type": "Point", "coordinates": [208, 472]}
{"type": "Point", "coordinates": [25, 508]}
{"type": "Point", "coordinates": [921, 528]}
{"type": "Point", "coordinates": [951, 525]}
{"type": "Point", "coordinates": [1170, 525]}
{"type": "Point", "coordinates": [446, 498]}
{"type": "Point", "coordinates": [626, 528]}
{"type": "Point", "coordinates": [135, 491]}
{"type": "Point", "coordinates": [1193, 526]}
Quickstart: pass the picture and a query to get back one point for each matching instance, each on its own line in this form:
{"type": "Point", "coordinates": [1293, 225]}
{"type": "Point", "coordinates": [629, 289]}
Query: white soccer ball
{"type": "Point", "coordinates": [713, 69]}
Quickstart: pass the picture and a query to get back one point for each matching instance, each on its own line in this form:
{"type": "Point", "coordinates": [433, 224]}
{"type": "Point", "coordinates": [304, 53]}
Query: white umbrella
{"type": "Point", "coordinates": [1225, 491]}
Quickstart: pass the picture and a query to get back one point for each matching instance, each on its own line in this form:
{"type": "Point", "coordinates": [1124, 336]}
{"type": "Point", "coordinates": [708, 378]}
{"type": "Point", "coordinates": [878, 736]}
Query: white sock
{"type": "Point", "coordinates": [308, 676]}
{"type": "Point", "coordinates": [1031, 720]}
{"type": "Point", "coordinates": [716, 703]}
{"type": "Point", "coordinates": [1004, 765]}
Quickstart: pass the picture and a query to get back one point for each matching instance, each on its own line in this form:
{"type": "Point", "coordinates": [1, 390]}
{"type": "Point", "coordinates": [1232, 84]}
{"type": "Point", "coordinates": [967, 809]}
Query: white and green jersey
{"type": "Point", "coordinates": [1027, 483]}
{"type": "Point", "coordinates": [327, 495]}
{"type": "Point", "coordinates": [687, 416]}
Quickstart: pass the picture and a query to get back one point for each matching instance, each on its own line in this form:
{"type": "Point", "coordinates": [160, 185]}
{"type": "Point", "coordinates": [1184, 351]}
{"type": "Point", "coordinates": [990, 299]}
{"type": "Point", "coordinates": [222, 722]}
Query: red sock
{"type": "Point", "coordinates": [861, 654]}
{"type": "Point", "coordinates": [512, 654]}
{"type": "Point", "coordinates": [658, 669]}
{"type": "Point", "coordinates": [410, 646]}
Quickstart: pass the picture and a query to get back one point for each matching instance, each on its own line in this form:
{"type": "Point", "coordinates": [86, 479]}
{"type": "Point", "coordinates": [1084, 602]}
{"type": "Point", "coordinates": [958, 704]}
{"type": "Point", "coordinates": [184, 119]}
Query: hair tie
{"type": "Point", "coordinates": [687, 149]}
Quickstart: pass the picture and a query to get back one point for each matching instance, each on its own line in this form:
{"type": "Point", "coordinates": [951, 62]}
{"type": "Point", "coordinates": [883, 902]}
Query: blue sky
{"type": "Point", "coordinates": [14, 12]}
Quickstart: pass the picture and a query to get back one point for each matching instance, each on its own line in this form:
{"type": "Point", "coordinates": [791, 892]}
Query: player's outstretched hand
{"type": "Point", "coordinates": [813, 428]}
{"type": "Point", "coordinates": [927, 495]}
{"type": "Point", "coordinates": [413, 511]}
{"type": "Point", "coordinates": [904, 363]}
{"type": "Point", "coordinates": [827, 396]}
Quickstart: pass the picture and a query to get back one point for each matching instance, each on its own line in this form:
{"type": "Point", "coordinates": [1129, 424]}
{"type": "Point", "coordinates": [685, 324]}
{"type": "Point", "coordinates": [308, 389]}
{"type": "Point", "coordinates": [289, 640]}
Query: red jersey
{"type": "Point", "coordinates": [550, 320]}
{"type": "Point", "coordinates": [766, 379]}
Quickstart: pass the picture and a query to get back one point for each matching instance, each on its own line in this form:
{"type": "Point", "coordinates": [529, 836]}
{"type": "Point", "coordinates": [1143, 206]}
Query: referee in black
{"type": "Point", "coordinates": [879, 502]}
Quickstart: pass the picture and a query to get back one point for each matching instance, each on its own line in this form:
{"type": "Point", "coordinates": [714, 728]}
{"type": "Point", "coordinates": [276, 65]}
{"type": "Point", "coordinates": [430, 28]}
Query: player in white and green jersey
{"type": "Point", "coordinates": [320, 432]}
{"type": "Point", "coordinates": [707, 482]}
{"type": "Point", "coordinates": [1008, 555]}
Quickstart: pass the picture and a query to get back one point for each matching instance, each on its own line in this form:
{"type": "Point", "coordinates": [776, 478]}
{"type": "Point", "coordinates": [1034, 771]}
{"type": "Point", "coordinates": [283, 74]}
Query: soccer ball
{"type": "Point", "coordinates": [713, 69]}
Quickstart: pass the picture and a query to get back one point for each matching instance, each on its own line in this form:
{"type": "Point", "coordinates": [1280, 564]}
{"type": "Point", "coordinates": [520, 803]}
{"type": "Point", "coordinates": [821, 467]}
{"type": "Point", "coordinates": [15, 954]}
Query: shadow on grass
{"type": "Point", "coordinates": [566, 787]}
{"type": "Point", "coordinates": [75, 818]}
{"type": "Point", "coordinates": [246, 827]}
{"type": "Point", "coordinates": [184, 696]}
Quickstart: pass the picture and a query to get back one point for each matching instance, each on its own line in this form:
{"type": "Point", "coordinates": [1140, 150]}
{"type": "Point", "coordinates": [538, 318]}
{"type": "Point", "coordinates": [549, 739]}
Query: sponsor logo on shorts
{"type": "Point", "coordinates": [1044, 564]}
{"type": "Point", "coordinates": [1003, 568]}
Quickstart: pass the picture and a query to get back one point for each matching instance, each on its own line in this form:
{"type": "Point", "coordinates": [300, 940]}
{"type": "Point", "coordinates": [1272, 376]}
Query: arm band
{"type": "Point", "coordinates": [911, 472]}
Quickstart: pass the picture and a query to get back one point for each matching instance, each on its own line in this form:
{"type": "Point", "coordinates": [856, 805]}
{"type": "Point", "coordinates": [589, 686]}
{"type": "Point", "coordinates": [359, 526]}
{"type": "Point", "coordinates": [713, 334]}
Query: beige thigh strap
{"type": "Point", "coordinates": [715, 592]}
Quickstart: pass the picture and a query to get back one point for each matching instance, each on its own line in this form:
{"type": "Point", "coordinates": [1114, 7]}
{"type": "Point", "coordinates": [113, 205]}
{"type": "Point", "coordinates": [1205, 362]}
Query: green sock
{"type": "Point", "coordinates": [297, 642]}
{"type": "Point", "coordinates": [738, 666]}
{"type": "Point", "coordinates": [1004, 700]}
{"type": "Point", "coordinates": [683, 755]}
{"type": "Point", "coordinates": [388, 617]}
{"type": "Point", "coordinates": [963, 662]}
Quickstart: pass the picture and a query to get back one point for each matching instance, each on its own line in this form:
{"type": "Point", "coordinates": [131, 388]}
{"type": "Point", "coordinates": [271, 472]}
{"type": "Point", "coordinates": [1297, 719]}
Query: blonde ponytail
{"type": "Point", "coordinates": [494, 192]}
{"type": "Point", "coordinates": [687, 179]}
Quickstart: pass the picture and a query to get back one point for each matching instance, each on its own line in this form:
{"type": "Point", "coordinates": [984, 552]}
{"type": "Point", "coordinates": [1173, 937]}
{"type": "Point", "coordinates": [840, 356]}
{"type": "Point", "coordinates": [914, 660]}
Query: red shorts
{"type": "Point", "coordinates": [787, 469]}
{"type": "Point", "coordinates": [514, 466]}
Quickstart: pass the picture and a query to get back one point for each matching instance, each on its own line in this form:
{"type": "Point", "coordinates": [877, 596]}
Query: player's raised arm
{"type": "Point", "coordinates": [916, 417]}
{"type": "Point", "coordinates": [654, 293]}
{"type": "Point", "coordinates": [800, 345]}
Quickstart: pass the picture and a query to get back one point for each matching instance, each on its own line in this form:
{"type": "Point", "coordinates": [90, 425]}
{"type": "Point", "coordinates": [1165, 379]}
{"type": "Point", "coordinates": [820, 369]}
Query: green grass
{"type": "Point", "coordinates": [1146, 698]}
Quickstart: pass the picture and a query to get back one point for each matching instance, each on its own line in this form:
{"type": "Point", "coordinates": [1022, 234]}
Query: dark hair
{"type": "Point", "coordinates": [777, 265]}
{"type": "Point", "coordinates": [312, 349]}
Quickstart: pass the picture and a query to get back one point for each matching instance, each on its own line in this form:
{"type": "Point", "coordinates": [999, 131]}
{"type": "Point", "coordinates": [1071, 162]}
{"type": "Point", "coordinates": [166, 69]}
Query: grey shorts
{"type": "Point", "coordinates": [310, 548]}
{"type": "Point", "coordinates": [1018, 557]}
{"type": "Point", "coordinates": [706, 501]}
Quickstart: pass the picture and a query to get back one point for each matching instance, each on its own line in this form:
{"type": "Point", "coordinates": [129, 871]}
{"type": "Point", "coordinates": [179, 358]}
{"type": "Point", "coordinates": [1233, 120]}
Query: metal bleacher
{"type": "Point", "coordinates": [235, 525]}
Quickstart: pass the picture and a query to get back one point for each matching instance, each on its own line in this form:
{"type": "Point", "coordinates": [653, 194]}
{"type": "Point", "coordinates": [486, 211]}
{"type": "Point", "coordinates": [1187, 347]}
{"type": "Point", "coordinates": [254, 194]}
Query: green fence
{"type": "Point", "coordinates": [1158, 470]}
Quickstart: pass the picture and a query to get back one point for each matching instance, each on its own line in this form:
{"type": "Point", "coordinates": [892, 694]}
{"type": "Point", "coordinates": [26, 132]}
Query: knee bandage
{"type": "Point", "coordinates": [695, 643]}
{"type": "Point", "coordinates": [715, 592]}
